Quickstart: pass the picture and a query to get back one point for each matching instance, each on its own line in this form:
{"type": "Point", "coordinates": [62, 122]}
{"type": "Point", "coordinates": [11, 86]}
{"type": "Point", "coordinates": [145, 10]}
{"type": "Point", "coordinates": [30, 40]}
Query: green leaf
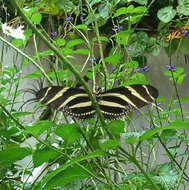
{"type": "Point", "coordinates": [141, 2]}
{"type": "Point", "coordinates": [123, 37]}
{"type": "Point", "coordinates": [110, 144]}
{"type": "Point", "coordinates": [120, 11]}
{"type": "Point", "coordinates": [166, 14]}
{"type": "Point", "coordinates": [130, 10]}
{"type": "Point", "coordinates": [82, 51]}
{"type": "Point", "coordinates": [130, 137]}
{"type": "Point", "coordinates": [74, 42]}
{"type": "Point", "coordinates": [102, 38]}
{"type": "Point", "coordinates": [36, 18]}
{"type": "Point", "coordinates": [114, 59]}
{"type": "Point", "coordinates": [13, 154]}
{"type": "Point", "coordinates": [58, 172]}
{"type": "Point", "coordinates": [36, 74]}
{"type": "Point", "coordinates": [70, 174]}
{"type": "Point", "coordinates": [69, 132]}
{"type": "Point", "coordinates": [44, 155]}
{"type": "Point", "coordinates": [4, 119]}
{"type": "Point", "coordinates": [183, 7]}
{"type": "Point", "coordinates": [66, 5]}
{"type": "Point", "coordinates": [116, 127]}
{"type": "Point", "coordinates": [60, 41]}
{"type": "Point", "coordinates": [174, 125]}
{"type": "Point", "coordinates": [66, 51]}
{"type": "Point", "coordinates": [21, 114]}
{"type": "Point", "coordinates": [167, 176]}
{"type": "Point", "coordinates": [82, 27]}
{"type": "Point", "coordinates": [45, 53]}
{"type": "Point", "coordinates": [104, 9]}
{"type": "Point", "coordinates": [38, 127]}
{"type": "Point", "coordinates": [183, 46]}
{"type": "Point", "coordinates": [17, 42]}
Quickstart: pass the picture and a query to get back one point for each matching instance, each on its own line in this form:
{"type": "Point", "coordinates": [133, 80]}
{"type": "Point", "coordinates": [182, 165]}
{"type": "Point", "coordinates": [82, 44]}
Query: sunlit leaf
{"type": "Point", "coordinates": [36, 18]}
{"type": "Point", "coordinates": [38, 127]}
{"type": "Point", "coordinates": [42, 156]}
{"type": "Point", "coordinates": [166, 14]}
{"type": "Point", "coordinates": [69, 132]}
{"type": "Point", "coordinates": [13, 154]}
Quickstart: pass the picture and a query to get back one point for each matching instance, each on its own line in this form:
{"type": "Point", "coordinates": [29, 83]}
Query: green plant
{"type": "Point", "coordinates": [95, 154]}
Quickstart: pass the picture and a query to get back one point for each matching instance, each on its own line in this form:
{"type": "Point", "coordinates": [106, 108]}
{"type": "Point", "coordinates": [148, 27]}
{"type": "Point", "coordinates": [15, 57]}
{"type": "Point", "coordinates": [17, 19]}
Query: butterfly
{"type": "Point", "coordinates": [178, 34]}
{"type": "Point", "coordinates": [113, 103]}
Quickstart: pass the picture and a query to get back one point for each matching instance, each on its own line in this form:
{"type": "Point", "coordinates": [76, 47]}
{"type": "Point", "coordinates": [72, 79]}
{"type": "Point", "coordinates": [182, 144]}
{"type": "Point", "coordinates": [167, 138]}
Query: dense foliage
{"type": "Point", "coordinates": [114, 38]}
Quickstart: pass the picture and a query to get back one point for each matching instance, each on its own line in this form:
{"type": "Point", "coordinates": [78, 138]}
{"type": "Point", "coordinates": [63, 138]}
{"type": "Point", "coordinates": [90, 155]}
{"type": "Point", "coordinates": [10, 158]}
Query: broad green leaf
{"type": "Point", "coordinates": [174, 125]}
{"type": "Point", "coordinates": [13, 154]}
{"type": "Point", "coordinates": [60, 41]}
{"type": "Point", "coordinates": [130, 137]}
{"type": "Point", "coordinates": [36, 18]}
{"type": "Point", "coordinates": [38, 127]}
{"type": "Point", "coordinates": [53, 175]}
{"type": "Point", "coordinates": [66, 51]}
{"type": "Point", "coordinates": [110, 144]}
{"type": "Point", "coordinates": [82, 51]}
{"type": "Point", "coordinates": [82, 27]}
{"type": "Point", "coordinates": [104, 9]}
{"type": "Point", "coordinates": [69, 132]}
{"type": "Point", "coordinates": [116, 127]}
{"type": "Point", "coordinates": [166, 14]}
{"type": "Point", "coordinates": [17, 42]}
{"type": "Point", "coordinates": [44, 155]}
{"type": "Point", "coordinates": [123, 37]}
{"type": "Point", "coordinates": [74, 42]}
{"type": "Point", "coordinates": [66, 5]}
{"type": "Point", "coordinates": [114, 59]}
{"type": "Point", "coordinates": [130, 10]}
{"type": "Point", "coordinates": [120, 11]}
{"type": "Point", "coordinates": [68, 175]}
{"type": "Point", "coordinates": [183, 7]}
{"type": "Point", "coordinates": [36, 74]}
{"type": "Point", "coordinates": [167, 176]}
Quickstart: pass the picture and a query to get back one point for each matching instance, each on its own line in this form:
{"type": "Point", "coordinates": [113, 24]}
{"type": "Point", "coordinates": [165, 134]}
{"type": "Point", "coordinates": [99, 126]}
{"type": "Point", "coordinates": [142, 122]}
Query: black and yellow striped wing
{"type": "Point", "coordinates": [118, 102]}
{"type": "Point", "coordinates": [74, 101]}
{"type": "Point", "coordinates": [113, 103]}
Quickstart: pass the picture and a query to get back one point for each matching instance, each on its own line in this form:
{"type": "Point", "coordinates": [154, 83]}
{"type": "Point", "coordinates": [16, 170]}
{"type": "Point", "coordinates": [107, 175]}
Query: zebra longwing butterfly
{"type": "Point", "coordinates": [113, 103]}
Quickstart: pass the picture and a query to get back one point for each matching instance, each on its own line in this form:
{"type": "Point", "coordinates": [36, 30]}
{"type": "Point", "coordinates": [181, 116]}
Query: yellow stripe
{"type": "Point", "coordinates": [123, 97]}
{"type": "Point", "coordinates": [46, 93]}
{"type": "Point", "coordinates": [108, 103]}
{"type": "Point", "coordinates": [81, 105]}
{"type": "Point", "coordinates": [146, 88]}
{"type": "Point", "coordinates": [58, 95]}
{"type": "Point", "coordinates": [71, 98]}
{"type": "Point", "coordinates": [136, 94]}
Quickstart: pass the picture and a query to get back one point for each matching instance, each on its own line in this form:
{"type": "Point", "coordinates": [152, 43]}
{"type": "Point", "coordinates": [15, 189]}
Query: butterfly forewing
{"type": "Point", "coordinates": [117, 102]}
{"type": "Point", "coordinates": [74, 101]}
